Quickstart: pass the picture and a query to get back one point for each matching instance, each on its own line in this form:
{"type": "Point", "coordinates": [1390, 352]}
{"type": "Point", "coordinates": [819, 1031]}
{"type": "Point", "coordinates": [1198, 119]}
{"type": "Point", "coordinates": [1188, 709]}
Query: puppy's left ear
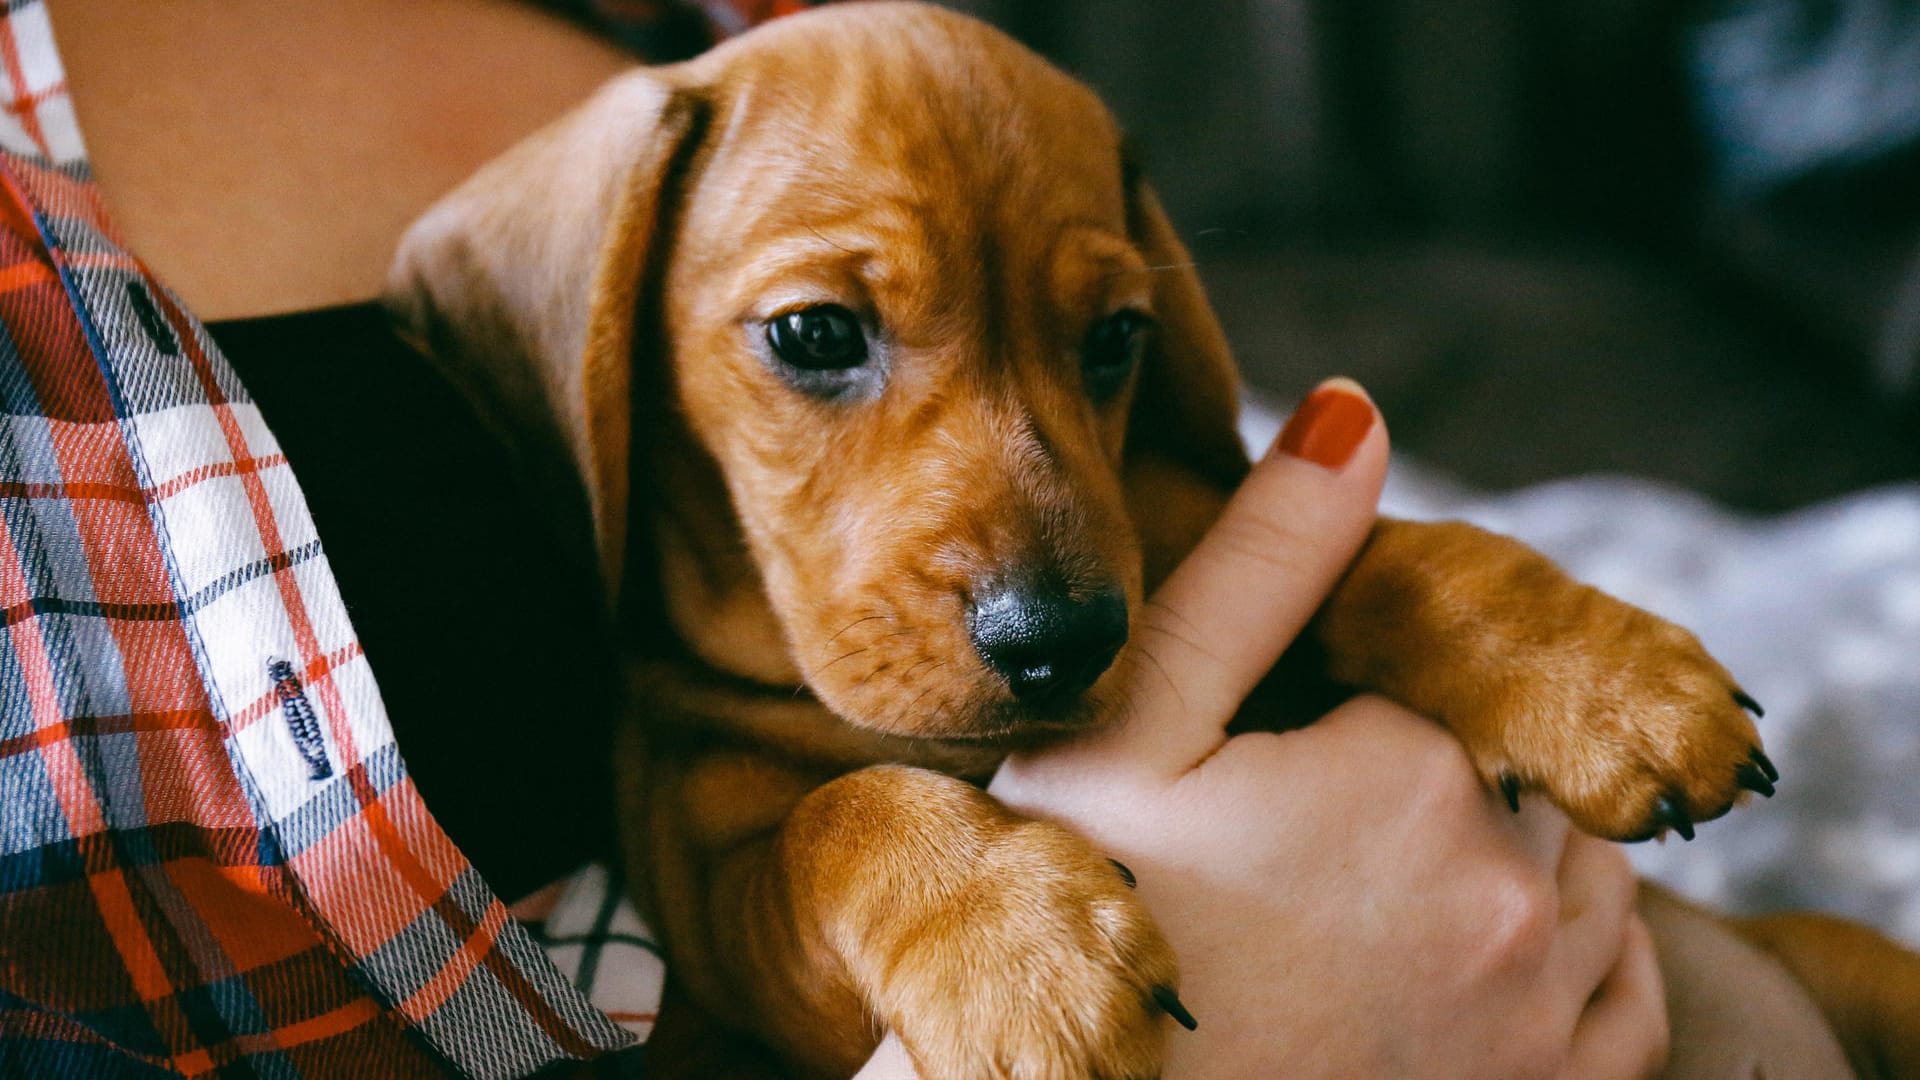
{"type": "Point", "coordinates": [524, 283]}
{"type": "Point", "coordinates": [1184, 454]}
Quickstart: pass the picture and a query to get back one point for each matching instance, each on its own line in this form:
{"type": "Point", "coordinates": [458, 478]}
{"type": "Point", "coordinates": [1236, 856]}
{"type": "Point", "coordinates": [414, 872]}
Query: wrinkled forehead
{"type": "Point", "coordinates": [930, 121]}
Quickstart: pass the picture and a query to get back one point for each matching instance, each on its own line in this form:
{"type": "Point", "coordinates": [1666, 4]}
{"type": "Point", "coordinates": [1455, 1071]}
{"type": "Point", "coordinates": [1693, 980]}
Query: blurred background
{"type": "Point", "coordinates": [1678, 240]}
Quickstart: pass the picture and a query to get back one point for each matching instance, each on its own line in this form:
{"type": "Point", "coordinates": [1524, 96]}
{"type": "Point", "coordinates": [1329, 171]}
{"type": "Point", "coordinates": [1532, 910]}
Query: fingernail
{"type": "Point", "coordinates": [1329, 425]}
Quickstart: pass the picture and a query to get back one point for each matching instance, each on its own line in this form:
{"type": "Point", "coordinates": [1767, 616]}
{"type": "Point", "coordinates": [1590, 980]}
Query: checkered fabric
{"type": "Point", "coordinates": [211, 857]}
{"type": "Point", "coordinates": [595, 937]}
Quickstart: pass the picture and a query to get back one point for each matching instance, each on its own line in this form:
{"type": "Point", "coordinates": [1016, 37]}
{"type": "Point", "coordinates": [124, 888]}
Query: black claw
{"type": "Point", "coordinates": [1766, 766]}
{"type": "Point", "coordinates": [1751, 778]}
{"type": "Point", "coordinates": [1126, 875]}
{"type": "Point", "coordinates": [1170, 1001]}
{"type": "Point", "coordinates": [1510, 787]}
{"type": "Point", "coordinates": [1745, 701]}
{"type": "Point", "coordinates": [1674, 813]}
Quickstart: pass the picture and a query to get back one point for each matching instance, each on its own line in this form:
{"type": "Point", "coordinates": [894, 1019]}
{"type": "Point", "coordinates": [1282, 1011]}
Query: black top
{"type": "Point", "coordinates": [489, 648]}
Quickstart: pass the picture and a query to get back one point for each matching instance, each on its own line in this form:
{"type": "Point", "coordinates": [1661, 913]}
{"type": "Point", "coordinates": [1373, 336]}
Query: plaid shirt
{"type": "Point", "coordinates": [211, 856]}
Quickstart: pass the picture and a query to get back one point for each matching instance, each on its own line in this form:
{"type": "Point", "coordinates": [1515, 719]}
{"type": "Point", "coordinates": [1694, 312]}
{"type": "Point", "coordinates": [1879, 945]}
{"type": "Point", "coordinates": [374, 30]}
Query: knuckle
{"type": "Point", "coordinates": [1522, 912]}
{"type": "Point", "coordinates": [1444, 784]}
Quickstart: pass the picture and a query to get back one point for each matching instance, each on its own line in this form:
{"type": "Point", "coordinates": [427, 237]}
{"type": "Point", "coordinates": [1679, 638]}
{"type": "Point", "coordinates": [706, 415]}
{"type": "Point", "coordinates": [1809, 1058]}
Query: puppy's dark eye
{"type": "Point", "coordinates": [823, 338]}
{"type": "Point", "coordinates": [1112, 350]}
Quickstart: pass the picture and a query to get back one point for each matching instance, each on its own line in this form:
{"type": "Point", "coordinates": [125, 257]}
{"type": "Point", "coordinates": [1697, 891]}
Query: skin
{"type": "Point", "coordinates": [266, 158]}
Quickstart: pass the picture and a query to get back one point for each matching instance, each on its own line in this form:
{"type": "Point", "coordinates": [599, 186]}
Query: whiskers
{"type": "Point", "coordinates": [871, 672]}
{"type": "Point", "coordinates": [899, 721]}
{"type": "Point", "coordinates": [922, 669]}
{"type": "Point", "coordinates": [925, 660]}
{"type": "Point", "coordinates": [854, 623]}
{"type": "Point", "coordinates": [1161, 268]}
{"type": "Point", "coordinates": [806, 680]}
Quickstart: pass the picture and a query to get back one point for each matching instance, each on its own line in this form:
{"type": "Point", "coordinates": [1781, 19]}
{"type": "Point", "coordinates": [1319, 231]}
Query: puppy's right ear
{"type": "Point", "coordinates": [523, 284]}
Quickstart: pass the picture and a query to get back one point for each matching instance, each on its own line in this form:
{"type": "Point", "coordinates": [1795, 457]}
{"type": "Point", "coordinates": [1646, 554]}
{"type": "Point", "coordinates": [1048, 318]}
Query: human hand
{"type": "Point", "coordinates": [1345, 899]}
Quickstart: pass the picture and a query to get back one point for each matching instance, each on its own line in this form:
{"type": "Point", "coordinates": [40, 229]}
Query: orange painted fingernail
{"type": "Point", "coordinates": [1329, 425]}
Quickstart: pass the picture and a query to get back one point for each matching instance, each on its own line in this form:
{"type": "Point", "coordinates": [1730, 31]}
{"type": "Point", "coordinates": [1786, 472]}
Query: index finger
{"type": "Point", "coordinates": [1224, 616]}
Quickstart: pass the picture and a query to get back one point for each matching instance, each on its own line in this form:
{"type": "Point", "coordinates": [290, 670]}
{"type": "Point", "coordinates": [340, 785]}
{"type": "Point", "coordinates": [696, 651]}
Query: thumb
{"type": "Point", "coordinates": [1220, 621]}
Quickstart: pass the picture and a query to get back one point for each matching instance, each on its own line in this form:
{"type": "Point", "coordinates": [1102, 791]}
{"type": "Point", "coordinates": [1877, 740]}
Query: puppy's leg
{"type": "Point", "coordinates": [1736, 1013]}
{"type": "Point", "coordinates": [1868, 986]}
{"type": "Point", "coordinates": [899, 898]}
{"type": "Point", "coordinates": [1621, 717]}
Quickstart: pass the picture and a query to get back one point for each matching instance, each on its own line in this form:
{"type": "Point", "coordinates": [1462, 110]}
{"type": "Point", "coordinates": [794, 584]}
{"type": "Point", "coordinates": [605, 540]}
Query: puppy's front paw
{"type": "Point", "coordinates": [1043, 966]}
{"type": "Point", "coordinates": [1624, 720]}
{"type": "Point", "coordinates": [1619, 716]}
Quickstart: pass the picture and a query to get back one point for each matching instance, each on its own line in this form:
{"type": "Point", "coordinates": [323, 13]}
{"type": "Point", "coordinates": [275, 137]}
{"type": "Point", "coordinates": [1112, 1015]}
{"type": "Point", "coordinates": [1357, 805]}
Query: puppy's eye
{"type": "Point", "coordinates": [1112, 350]}
{"type": "Point", "coordinates": [822, 338]}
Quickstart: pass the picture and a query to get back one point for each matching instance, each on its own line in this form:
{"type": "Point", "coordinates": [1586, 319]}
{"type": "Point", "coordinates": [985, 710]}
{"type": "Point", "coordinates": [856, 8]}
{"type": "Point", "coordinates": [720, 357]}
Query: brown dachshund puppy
{"type": "Point", "coordinates": [891, 393]}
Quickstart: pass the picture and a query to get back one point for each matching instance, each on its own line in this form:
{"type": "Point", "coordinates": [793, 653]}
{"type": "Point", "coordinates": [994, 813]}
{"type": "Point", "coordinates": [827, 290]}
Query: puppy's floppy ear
{"type": "Point", "coordinates": [1187, 401]}
{"type": "Point", "coordinates": [523, 284]}
{"type": "Point", "coordinates": [1184, 453]}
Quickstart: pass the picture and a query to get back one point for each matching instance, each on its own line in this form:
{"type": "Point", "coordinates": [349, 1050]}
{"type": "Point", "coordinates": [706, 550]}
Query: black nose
{"type": "Point", "coordinates": [1045, 643]}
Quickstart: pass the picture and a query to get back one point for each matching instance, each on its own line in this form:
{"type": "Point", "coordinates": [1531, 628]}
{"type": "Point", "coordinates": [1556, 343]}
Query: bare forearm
{"type": "Point", "coordinates": [254, 191]}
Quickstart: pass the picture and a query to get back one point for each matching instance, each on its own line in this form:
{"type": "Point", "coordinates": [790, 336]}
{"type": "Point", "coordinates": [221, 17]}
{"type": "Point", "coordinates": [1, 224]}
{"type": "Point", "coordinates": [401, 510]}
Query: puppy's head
{"type": "Point", "coordinates": [918, 332]}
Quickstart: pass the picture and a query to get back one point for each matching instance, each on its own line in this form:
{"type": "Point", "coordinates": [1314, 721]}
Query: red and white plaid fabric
{"type": "Point", "coordinates": [211, 857]}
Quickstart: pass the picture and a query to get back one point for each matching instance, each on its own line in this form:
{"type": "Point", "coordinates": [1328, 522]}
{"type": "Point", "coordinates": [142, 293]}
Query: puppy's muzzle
{"type": "Point", "coordinates": [1047, 643]}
